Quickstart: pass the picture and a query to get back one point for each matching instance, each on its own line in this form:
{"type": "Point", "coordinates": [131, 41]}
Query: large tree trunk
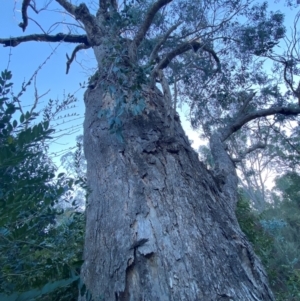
{"type": "Point", "coordinates": [160, 226]}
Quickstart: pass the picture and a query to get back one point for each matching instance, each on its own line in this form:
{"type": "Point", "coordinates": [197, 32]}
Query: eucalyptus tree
{"type": "Point", "coordinates": [159, 225]}
{"type": "Point", "coordinates": [274, 150]}
{"type": "Point", "coordinates": [269, 145]}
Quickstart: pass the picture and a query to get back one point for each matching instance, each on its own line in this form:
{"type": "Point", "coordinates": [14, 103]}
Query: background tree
{"type": "Point", "coordinates": [159, 224]}
{"type": "Point", "coordinates": [74, 162]}
{"type": "Point", "coordinates": [281, 221]}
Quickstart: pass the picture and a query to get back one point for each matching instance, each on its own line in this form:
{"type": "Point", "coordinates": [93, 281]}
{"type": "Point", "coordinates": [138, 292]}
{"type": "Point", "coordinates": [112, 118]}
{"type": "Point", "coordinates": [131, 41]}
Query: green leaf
{"type": "Point", "coordinates": [22, 118]}
{"type": "Point", "coordinates": [46, 124]}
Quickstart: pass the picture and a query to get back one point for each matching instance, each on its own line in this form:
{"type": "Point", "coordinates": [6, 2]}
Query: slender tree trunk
{"type": "Point", "coordinates": [159, 225]}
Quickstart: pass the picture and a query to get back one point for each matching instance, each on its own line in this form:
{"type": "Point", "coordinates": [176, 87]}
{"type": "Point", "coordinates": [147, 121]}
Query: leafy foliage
{"type": "Point", "coordinates": [250, 224]}
{"type": "Point", "coordinates": [275, 235]}
{"type": "Point", "coordinates": [40, 246]}
{"type": "Point", "coordinates": [282, 221]}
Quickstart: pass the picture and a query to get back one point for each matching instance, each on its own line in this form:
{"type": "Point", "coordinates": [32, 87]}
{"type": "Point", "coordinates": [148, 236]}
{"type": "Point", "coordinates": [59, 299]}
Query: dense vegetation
{"type": "Point", "coordinates": [40, 242]}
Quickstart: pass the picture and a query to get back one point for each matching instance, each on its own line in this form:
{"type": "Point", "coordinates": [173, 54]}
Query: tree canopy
{"type": "Point", "coordinates": [228, 60]}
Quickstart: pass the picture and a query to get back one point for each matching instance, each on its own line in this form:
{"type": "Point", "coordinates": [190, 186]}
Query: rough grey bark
{"type": "Point", "coordinates": [159, 225]}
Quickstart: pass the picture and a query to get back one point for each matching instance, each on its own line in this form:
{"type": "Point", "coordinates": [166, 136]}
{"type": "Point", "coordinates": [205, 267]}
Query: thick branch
{"type": "Point", "coordinates": [171, 55]}
{"type": "Point", "coordinates": [70, 59]}
{"type": "Point", "coordinates": [25, 5]}
{"type": "Point", "coordinates": [94, 33]}
{"type": "Point", "coordinates": [195, 45]}
{"type": "Point", "coordinates": [242, 120]}
{"type": "Point", "coordinates": [12, 42]}
{"type": "Point", "coordinates": [70, 8]}
{"type": "Point", "coordinates": [148, 21]}
{"type": "Point", "coordinates": [82, 13]}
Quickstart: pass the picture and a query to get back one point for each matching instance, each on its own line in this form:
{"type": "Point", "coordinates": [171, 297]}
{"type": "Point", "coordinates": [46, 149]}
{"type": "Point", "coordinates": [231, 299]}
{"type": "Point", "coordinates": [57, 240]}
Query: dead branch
{"type": "Point", "coordinates": [73, 55]}
{"type": "Point", "coordinates": [13, 42]}
{"type": "Point", "coordinates": [37, 98]}
{"type": "Point", "coordinates": [25, 5]}
{"type": "Point", "coordinates": [25, 85]}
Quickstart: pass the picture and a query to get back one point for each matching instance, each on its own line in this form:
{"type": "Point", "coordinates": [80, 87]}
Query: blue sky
{"type": "Point", "coordinates": [26, 58]}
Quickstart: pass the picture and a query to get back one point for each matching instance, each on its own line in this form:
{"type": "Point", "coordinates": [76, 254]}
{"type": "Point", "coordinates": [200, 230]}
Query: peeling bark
{"type": "Point", "coordinates": [159, 225]}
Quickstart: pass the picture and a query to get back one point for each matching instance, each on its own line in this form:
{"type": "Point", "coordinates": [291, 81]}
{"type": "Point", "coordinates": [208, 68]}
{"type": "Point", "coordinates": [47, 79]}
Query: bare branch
{"type": "Point", "coordinates": [70, 59]}
{"type": "Point", "coordinates": [259, 145]}
{"type": "Point", "coordinates": [242, 120]}
{"type": "Point", "coordinates": [55, 25]}
{"type": "Point", "coordinates": [148, 21]}
{"type": "Point", "coordinates": [25, 85]}
{"type": "Point", "coordinates": [161, 42]}
{"type": "Point", "coordinates": [25, 5]}
{"type": "Point", "coordinates": [37, 97]}
{"type": "Point", "coordinates": [12, 42]}
{"type": "Point", "coordinates": [37, 24]}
